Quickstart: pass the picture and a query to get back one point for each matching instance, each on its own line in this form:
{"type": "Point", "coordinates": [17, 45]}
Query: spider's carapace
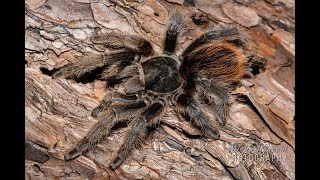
{"type": "Point", "coordinates": [161, 74]}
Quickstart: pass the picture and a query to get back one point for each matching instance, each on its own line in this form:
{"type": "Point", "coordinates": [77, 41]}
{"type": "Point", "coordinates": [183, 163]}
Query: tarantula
{"type": "Point", "coordinates": [145, 83]}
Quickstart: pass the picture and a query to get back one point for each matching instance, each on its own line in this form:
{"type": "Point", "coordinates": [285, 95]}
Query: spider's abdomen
{"type": "Point", "coordinates": [220, 60]}
{"type": "Point", "coordinates": [161, 74]}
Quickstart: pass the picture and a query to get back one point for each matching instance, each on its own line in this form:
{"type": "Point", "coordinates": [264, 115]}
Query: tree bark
{"type": "Point", "coordinates": [258, 140]}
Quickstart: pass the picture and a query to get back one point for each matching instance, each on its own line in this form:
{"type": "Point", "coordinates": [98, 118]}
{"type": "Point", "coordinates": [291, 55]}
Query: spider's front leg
{"type": "Point", "coordinates": [106, 121]}
{"type": "Point", "coordinates": [137, 132]}
{"type": "Point", "coordinates": [129, 42]}
{"type": "Point", "coordinates": [189, 107]}
{"type": "Point", "coordinates": [173, 29]}
{"type": "Point", "coordinates": [91, 62]}
{"type": "Point", "coordinates": [112, 72]}
{"type": "Point", "coordinates": [129, 46]}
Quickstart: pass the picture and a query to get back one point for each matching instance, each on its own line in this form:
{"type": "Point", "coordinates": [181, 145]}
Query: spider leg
{"type": "Point", "coordinates": [227, 35]}
{"type": "Point", "coordinates": [130, 42]}
{"type": "Point", "coordinates": [191, 108]}
{"type": "Point", "coordinates": [107, 120]}
{"type": "Point", "coordinates": [133, 85]}
{"type": "Point", "coordinates": [115, 69]}
{"type": "Point", "coordinates": [137, 132]}
{"type": "Point", "coordinates": [114, 96]}
{"type": "Point", "coordinates": [133, 82]}
{"type": "Point", "coordinates": [91, 62]}
{"type": "Point", "coordinates": [173, 29]}
{"type": "Point", "coordinates": [216, 95]}
{"type": "Point", "coordinates": [119, 74]}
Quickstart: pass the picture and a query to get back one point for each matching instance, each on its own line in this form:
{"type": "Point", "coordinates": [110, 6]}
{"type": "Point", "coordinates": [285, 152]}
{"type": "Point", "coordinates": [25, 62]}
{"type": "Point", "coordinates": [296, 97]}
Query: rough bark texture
{"type": "Point", "coordinates": [58, 110]}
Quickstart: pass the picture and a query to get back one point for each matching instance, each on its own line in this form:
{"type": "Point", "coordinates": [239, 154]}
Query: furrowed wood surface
{"type": "Point", "coordinates": [58, 111]}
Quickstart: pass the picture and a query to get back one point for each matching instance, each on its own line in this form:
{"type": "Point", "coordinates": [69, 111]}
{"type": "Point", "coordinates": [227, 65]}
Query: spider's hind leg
{"type": "Point", "coordinates": [216, 95]}
{"type": "Point", "coordinates": [189, 107]}
{"type": "Point", "coordinates": [173, 29]}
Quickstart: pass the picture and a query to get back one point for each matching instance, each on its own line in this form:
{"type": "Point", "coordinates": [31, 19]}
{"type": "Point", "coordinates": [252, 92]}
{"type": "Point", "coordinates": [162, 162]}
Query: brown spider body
{"type": "Point", "coordinates": [219, 60]}
{"type": "Point", "coordinates": [143, 87]}
{"type": "Point", "coordinates": [161, 74]}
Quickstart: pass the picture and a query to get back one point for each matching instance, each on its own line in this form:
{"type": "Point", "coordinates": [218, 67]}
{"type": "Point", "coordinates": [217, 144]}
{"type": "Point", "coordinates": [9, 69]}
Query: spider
{"type": "Point", "coordinates": [145, 84]}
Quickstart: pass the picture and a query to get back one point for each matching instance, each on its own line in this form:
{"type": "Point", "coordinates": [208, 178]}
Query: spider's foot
{"type": "Point", "coordinates": [116, 162]}
{"type": "Point", "coordinates": [64, 71]}
{"type": "Point", "coordinates": [211, 133]}
{"type": "Point", "coordinates": [221, 120]}
{"type": "Point", "coordinates": [96, 111]}
{"type": "Point", "coordinates": [56, 74]}
{"type": "Point", "coordinates": [72, 154]}
{"type": "Point", "coordinates": [222, 112]}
